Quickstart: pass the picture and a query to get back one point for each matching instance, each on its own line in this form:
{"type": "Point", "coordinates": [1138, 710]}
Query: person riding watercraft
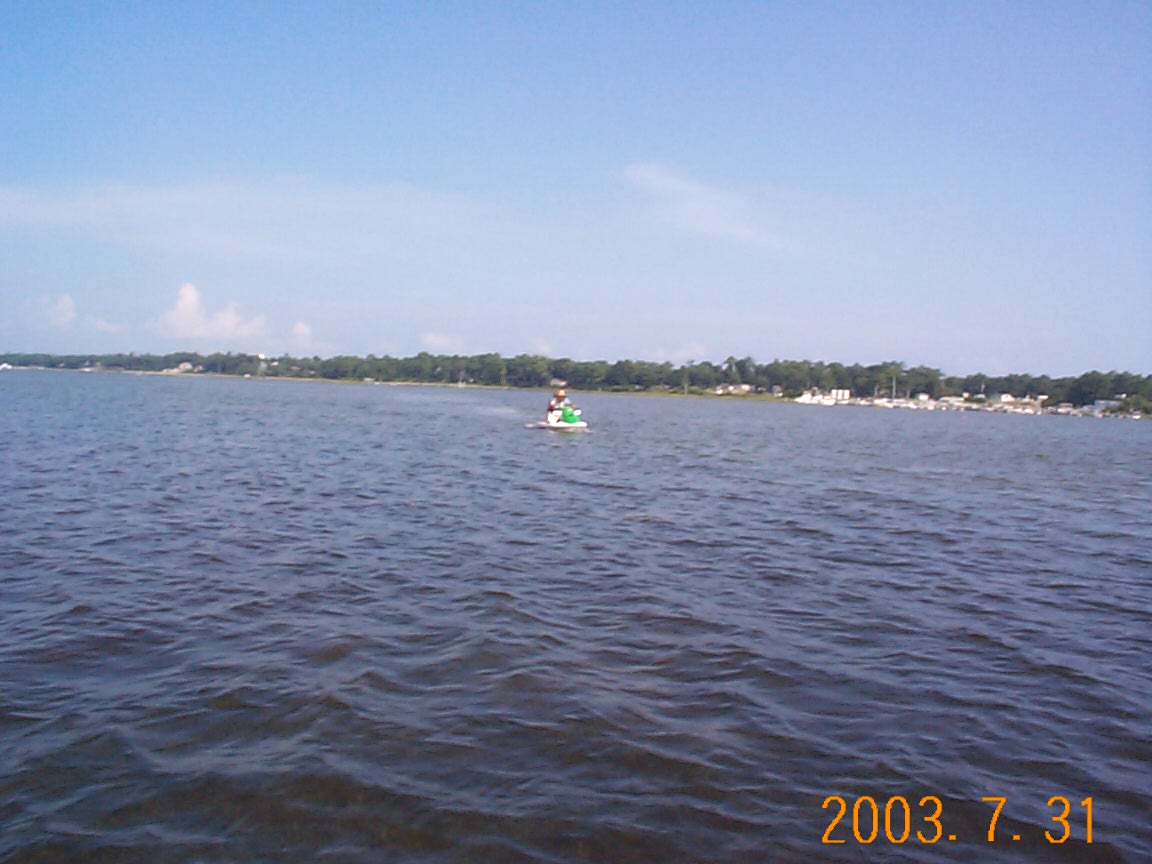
{"type": "Point", "coordinates": [561, 415]}
{"type": "Point", "coordinates": [556, 406]}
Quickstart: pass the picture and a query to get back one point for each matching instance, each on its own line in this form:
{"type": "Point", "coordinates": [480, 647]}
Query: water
{"type": "Point", "coordinates": [272, 621]}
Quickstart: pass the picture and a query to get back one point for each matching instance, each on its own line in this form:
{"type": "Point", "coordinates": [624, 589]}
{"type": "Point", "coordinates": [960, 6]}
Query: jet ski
{"type": "Point", "coordinates": [567, 419]}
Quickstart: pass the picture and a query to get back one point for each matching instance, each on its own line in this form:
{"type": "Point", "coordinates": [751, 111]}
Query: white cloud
{"type": "Point", "coordinates": [441, 343]}
{"type": "Point", "coordinates": [692, 351]}
{"type": "Point", "coordinates": [62, 313]}
{"type": "Point", "coordinates": [287, 219]}
{"type": "Point", "coordinates": [189, 320]}
{"type": "Point", "coordinates": [101, 326]}
{"type": "Point", "coordinates": [303, 344]}
{"type": "Point", "coordinates": [697, 208]}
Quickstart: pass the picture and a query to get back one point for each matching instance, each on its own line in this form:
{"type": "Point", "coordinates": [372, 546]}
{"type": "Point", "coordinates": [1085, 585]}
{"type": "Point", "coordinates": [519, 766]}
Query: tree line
{"type": "Point", "coordinates": [783, 377]}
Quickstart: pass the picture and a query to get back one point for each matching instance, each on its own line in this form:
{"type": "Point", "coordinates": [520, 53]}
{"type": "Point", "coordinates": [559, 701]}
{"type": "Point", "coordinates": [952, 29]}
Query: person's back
{"type": "Point", "coordinates": [556, 405]}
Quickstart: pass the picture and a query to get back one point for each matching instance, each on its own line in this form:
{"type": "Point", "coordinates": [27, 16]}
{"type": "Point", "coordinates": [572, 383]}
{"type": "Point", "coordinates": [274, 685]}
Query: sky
{"type": "Point", "coordinates": [965, 185]}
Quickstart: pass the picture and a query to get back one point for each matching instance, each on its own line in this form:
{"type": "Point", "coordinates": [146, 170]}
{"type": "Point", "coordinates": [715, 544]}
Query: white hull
{"type": "Point", "coordinates": [559, 426]}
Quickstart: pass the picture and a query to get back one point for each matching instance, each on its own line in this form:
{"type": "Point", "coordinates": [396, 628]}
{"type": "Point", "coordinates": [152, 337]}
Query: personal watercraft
{"type": "Point", "coordinates": [567, 419]}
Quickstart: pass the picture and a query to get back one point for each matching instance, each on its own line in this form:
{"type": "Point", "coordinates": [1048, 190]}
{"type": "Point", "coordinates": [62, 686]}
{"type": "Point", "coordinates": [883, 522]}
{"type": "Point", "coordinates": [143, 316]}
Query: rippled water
{"type": "Point", "coordinates": [272, 621]}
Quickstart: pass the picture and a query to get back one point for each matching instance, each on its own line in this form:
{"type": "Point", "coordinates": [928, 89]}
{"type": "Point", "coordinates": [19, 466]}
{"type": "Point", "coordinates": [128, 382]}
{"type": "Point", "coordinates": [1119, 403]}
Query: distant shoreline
{"type": "Point", "coordinates": [1111, 408]}
{"type": "Point", "coordinates": [890, 384]}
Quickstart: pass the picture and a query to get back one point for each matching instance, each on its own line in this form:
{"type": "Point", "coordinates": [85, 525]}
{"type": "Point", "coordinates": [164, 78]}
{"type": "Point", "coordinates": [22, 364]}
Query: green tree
{"type": "Point", "coordinates": [490, 369]}
{"type": "Point", "coordinates": [923, 379]}
{"type": "Point", "coordinates": [704, 375]}
{"type": "Point", "coordinates": [1091, 386]}
{"type": "Point", "coordinates": [621, 375]}
{"type": "Point", "coordinates": [529, 370]}
{"type": "Point", "coordinates": [732, 372]}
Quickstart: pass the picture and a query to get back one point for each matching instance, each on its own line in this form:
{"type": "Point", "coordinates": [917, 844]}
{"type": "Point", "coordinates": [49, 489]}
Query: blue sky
{"type": "Point", "coordinates": [966, 185]}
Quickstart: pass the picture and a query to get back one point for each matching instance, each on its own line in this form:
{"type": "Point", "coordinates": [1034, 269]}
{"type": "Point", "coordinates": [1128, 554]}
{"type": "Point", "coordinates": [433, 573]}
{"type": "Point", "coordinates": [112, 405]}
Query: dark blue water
{"type": "Point", "coordinates": [250, 620]}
